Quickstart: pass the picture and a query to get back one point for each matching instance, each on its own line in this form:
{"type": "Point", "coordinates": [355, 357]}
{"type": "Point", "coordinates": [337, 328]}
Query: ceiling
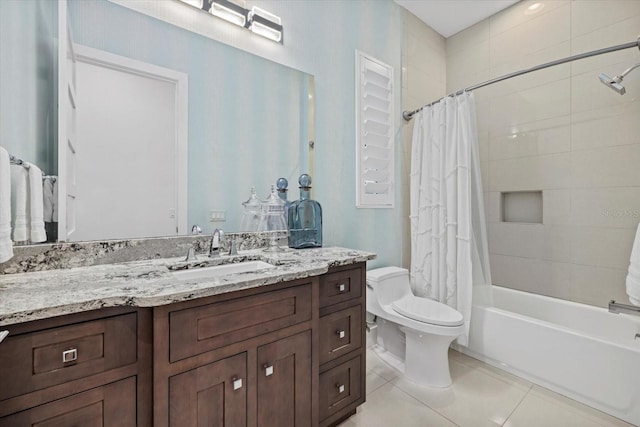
{"type": "Point", "coordinates": [444, 15]}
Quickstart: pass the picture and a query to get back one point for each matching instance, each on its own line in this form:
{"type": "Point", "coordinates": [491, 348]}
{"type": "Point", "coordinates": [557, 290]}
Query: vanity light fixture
{"type": "Point", "coordinates": [258, 20]}
{"type": "Point", "coordinates": [265, 24]}
{"type": "Point", "coordinates": [229, 11]}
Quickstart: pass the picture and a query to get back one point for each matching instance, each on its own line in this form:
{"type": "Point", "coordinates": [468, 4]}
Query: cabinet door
{"type": "Point", "coordinates": [112, 405]}
{"type": "Point", "coordinates": [284, 382]}
{"type": "Point", "coordinates": [212, 395]}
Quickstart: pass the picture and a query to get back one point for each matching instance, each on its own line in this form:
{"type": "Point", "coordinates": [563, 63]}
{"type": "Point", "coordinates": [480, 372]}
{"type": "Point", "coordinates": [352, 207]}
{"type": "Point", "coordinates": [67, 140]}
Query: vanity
{"type": "Point", "coordinates": [140, 344]}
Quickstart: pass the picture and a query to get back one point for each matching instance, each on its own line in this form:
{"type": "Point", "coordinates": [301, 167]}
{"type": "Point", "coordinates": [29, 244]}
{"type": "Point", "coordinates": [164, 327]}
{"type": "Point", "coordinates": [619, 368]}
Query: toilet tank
{"type": "Point", "coordinates": [388, 283]}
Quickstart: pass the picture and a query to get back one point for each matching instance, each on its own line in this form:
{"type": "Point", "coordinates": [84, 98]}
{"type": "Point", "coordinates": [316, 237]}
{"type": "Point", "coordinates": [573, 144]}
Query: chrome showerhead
{"type": "Point", "coordinates": [614, 83]}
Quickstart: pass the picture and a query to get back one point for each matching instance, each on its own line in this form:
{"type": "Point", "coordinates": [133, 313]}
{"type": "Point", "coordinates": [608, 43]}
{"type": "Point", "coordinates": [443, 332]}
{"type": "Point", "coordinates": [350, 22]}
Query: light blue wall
{"type": "Point", "coordinates": [244, 111]}
{"type": "Point", "coordinates": [321, 38]}
{"type": "Point", "coordinates": [28, 59]}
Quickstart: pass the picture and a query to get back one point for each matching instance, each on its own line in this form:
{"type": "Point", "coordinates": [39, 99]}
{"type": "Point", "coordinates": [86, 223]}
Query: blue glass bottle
{"type": "Point", "coordinates": [305, 218]}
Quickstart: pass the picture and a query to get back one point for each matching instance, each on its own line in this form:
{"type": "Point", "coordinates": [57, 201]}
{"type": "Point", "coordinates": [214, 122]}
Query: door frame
{"type": "Point", "coordinates": [180, 81]}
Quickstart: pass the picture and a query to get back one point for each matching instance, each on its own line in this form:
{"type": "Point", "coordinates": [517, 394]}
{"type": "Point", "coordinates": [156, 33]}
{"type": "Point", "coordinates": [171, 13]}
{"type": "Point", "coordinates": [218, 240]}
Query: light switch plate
{"type": "Point", "coordinates": [217, 216]}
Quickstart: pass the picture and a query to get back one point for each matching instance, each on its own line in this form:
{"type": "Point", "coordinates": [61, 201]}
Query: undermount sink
{"type": "Point", "coordinates": [221, 270]}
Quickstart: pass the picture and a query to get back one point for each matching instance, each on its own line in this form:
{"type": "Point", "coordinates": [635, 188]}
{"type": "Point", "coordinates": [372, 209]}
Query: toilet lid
{"type": "Point", "coordinates": [427, 311]}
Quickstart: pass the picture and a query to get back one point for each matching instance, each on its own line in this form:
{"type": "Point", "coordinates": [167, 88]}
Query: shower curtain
{"type": "Point", "coordinates": [449, 250]}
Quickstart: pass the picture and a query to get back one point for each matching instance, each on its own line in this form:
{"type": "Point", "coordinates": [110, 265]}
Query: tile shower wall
{"type": "Point", "coordinates": [423, 80]}
{"type": "Point", "coordinates": [562, 132]}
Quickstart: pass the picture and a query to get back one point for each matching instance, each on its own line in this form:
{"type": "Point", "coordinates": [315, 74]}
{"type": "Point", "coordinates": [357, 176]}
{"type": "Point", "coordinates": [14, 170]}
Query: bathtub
{"type": "Point", "coordinates": [580, 351]}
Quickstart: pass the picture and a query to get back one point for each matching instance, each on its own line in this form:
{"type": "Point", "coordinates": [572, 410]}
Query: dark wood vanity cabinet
{"type": "Point", "coordinates": [289, 354]}
{"type": "Point", "coordinates": [239, 359]}
{"type": "Point", "coordinates": [91, 368]}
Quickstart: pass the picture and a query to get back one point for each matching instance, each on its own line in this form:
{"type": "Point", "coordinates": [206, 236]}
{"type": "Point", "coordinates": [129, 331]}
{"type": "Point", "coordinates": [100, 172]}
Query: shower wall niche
{"type": "Point", "coordinates": [558, 149]}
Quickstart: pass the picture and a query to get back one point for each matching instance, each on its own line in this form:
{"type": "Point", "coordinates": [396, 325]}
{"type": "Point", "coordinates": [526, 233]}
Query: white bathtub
{"type": "Point", "coordinates": [580, 351]}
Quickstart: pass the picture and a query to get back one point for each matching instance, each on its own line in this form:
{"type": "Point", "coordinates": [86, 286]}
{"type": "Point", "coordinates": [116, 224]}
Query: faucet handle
{"type": "Point", "coordinates": [191, 255]}
{"type": "Point", "coordinates": [196, 229]}
{"type": "Point", "coordinates": [233, 248]}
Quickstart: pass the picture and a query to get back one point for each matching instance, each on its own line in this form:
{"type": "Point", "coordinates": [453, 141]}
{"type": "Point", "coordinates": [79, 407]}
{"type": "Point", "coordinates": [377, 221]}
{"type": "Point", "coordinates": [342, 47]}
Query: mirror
{"type": "Point", "coordinates": [249, 122]}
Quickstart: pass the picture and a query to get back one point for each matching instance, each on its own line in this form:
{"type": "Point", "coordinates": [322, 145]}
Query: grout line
{"type": "Point", "coordinates": [519, 403]}
{"type": "Point", "coordinates": [424, 404]}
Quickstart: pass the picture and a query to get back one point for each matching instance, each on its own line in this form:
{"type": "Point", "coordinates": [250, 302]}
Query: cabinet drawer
{"type": "Point", "coordinates": [340, 286]}
{"type": "Point", "coordinates": [340, 333]}
{"type": "Point", "coordinates": [42, 359]}
{"type": "Point", "coordinates": [112, 405]}
{"type": "Point", "coordinates": [340, 387]}
{"type": "Point", "coordinates": [196, 330]}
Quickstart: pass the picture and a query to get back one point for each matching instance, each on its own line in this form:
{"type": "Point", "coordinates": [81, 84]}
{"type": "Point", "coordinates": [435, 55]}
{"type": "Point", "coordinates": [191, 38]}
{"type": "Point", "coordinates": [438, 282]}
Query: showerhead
{"type": "Point", "coordinates": [614, 83]}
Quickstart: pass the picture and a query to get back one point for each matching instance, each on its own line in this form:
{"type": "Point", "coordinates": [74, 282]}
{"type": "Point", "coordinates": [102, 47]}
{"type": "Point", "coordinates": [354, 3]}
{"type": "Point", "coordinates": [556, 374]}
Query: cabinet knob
{"type": "Point", "coordinates": [340, 388]}
{"type": "Point", "coordinates": [70, 355]}
{"type": "Point", "coordinates": [237, 383]}
{"type": "Point", "coordinates": [3, 335]}
{"type": "Point", "coordinates": [341, 287]}
{"type": "Point", "coordinates": [341, 334]}
{"type": "Point", "coordinates": [268, 370]}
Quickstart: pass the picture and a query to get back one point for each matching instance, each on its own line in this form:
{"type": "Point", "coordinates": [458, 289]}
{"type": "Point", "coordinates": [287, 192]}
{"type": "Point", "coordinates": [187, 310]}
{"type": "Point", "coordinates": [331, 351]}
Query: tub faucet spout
{"type": "Point", "coordinates": [617, 308]}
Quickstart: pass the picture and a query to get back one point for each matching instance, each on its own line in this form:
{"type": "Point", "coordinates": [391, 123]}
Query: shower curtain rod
{"type": "Point", "coordinates": [408, 115]}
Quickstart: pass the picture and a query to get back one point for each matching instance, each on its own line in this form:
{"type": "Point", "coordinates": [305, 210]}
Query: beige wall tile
{"type": "Point", "coordinates": [604, 247]}
{"type": "Point", "coordinates": [606, 207]}
{"type": "Point", "coordinates": [519, 240]}
{"type": "Point", "coordinates": [606, 167]}
{"type": "Point", "coordinates": [619, 33]}
{"type": "Point", "coordinates": [556, 207]}
{"type": "Point", "coordinates": [606, 127]}
{"type": "Point", "coordinates": [531, 173]}
{"type": "Point", "coordinates": [532, 36]}
{"type": "Point", "coordinates": [530, 105]}
{"type": "Point", "coordinates": [589, 15]}
{"type": "Point", "coordinates": [598, 285]}
{"type": "Point", "coordinates": [465, 39]}
{"type": "Point", "coordinates": [516, 15]}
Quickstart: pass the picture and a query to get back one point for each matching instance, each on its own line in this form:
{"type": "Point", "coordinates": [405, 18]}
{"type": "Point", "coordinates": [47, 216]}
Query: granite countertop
{"type": "Point", "coordinates": [38, 295]}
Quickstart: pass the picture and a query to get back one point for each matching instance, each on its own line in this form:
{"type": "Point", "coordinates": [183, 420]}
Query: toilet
{"type": "Point", "coordinates": [428, 326]}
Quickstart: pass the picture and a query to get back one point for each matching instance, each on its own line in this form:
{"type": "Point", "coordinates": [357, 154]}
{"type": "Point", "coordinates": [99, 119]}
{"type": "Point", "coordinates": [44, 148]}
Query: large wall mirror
{"type": "Point", "coordinates": [170, 129]}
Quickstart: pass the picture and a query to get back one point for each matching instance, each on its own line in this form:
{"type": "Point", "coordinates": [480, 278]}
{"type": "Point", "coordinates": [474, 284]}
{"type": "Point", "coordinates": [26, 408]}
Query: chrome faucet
{"type": "Point", "coordinates": [216, 239]}
{"type": "Point", "coordinates": [617, 308]}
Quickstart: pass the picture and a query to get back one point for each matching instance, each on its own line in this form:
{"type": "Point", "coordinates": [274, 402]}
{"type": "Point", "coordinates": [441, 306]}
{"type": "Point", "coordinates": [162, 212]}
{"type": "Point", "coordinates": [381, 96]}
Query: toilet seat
{"type": "Point", "coordinates": [427, 311]}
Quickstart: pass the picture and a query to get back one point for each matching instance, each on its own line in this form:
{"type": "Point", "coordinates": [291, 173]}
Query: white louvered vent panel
{"type": "Point", "coordinates": [374, 133]}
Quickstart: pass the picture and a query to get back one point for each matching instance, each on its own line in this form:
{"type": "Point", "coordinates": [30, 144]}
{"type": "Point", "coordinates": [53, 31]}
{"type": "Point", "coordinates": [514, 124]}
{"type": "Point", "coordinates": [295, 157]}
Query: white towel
{"type": "Point", "coordinates": [55, 201]}
{"type": "Point", "coordinates": [20, 178]}
{"type": "Point", "coordinates": [36, 205]}
{"type": "Point", "coordinates": [47, 193]}
{"type": "Point", "coordinates": [633, 279]}
{"type": "Point", "coordinates": [6, 246]}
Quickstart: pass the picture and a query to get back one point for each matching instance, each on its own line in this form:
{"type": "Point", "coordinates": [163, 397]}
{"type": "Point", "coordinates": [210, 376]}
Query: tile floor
{"type": "Point", "coordinates": [480, 396]}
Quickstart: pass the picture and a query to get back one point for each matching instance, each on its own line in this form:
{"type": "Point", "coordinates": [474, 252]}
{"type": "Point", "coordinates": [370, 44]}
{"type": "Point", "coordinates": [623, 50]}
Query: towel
{"type": "Point", "coordinates": [6, 246]}
{"type": "Point", "coordinates": [36, 205]}
{"type": "Point", "coordinates": [633, 278]}
{"type": "Point", "coordinates": [20, 178]}
{"type": "Point", "coordinates": [55, 200]}
{"type": "Point", "coordinates": [47, 193]}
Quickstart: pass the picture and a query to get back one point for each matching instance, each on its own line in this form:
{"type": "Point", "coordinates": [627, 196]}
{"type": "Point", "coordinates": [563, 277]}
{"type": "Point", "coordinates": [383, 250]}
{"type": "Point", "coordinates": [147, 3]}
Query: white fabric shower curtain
{"type": "Point", "coordinates": [449, 250]}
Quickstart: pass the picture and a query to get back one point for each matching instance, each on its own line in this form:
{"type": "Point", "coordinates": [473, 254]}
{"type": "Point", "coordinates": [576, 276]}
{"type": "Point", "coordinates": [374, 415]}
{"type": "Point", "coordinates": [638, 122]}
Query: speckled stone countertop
{"type": "Point", "coordinates": [43, 294]}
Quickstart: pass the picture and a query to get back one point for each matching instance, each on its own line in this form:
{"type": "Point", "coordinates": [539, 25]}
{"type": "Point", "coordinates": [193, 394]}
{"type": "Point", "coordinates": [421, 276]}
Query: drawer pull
{"type": "Point", "coordinates": [340, 388]}
{"type": "Point", "coordinates": [70, 355]}
{"type": "Point", "coordinates": [237, 383]}
{"type": "Point", "coordinates": [341, 287]}
{"type": "Point", "coordinates": [268, 370]}
{"type": "Point", "coordinates": [341, 334]}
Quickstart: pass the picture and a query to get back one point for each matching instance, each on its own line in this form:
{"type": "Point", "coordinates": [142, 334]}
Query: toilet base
{"type": "Point", "coordinates": [427, 358]}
